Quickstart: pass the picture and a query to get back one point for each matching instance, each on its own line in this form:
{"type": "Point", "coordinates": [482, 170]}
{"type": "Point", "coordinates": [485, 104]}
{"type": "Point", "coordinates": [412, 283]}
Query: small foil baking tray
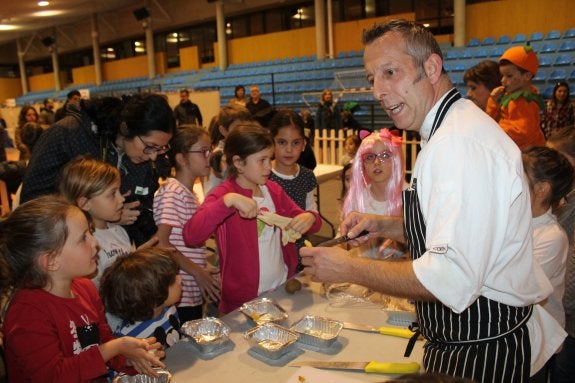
{"type": "Point", "coordinates": [208, 334]}
{"type": "Point", "coordinates": [271, 340]}
{"type": "Point", "coordinates": [317, 331]}
{"type": "Point", "coordinates": [263, 310]}
{"type": "Point", "coordinates": [164, 377]}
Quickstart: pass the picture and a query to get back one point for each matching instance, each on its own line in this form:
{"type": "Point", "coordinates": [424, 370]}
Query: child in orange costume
{"type": "Point", "coordinates": [516, 104]}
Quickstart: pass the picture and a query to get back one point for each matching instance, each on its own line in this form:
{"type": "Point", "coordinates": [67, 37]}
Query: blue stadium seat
{"type": "Point", "coordinates": [541, 75]}
{"type": "Point", "coordinates": [569, 33]}
{"type": "Point", "coordinates": [474, 43]}
{"type": "Point", "coordinates": [452, 54]}
{"type": "Point", "coordinates": [553, 35]}
{"type": "Point", "coordinates": [572, 76]}
{"type": "Point", "coordinates": [519, 38]}
{"type": "Point", "coordinates": [545, 61]}
{"type": "Point", "coordinates": [558, 74]}
{"type": "Point", "coordinates": [447, 66]}
{"type": "Point", "coordinates": [467, 54]}
{"type": "Point", "coordinates": [562, 60]}
{"type": "Point", "coordinates": [536, 36]}
{"type": "Point", "coordinates": [548, 47]}
{"type": "Point", "coordinates": [488, 41]}
{"type": "Point", "coordinates": [504, 39]}
{"type": "Point", "coordinates": [480, 53]}
{"type": "Point", "coordinates": [459, 67]}
{"type": "Point", "coordinates": [497, 52]}
{"type": "Point", "coordinates": [547, 93]}
{"type": "Point", "coordinates": [567, 46]}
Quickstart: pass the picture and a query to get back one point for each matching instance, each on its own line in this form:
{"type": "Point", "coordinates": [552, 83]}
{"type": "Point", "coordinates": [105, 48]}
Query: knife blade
{"type": "Point", "coordinates": [342, 239]}
{"type": "Point", "coordinates": [393, 331]}
{"type": "Point", "coordinates": [369, 367]}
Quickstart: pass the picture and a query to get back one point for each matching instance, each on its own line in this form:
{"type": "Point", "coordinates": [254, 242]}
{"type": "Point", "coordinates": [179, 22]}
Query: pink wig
{"type": "Point", "coordinates": [359, 182]}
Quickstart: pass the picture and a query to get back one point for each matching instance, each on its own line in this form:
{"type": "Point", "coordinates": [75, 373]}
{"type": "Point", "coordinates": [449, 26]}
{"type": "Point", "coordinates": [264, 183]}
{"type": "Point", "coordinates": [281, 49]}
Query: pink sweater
{"type": "Point", "coordinates": [237, 240]}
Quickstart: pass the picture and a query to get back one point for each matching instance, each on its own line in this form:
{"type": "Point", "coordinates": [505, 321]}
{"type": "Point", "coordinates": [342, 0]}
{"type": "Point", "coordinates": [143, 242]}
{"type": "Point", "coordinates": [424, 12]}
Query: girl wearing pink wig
{"type": "Point", "coordinates": [376, 183]}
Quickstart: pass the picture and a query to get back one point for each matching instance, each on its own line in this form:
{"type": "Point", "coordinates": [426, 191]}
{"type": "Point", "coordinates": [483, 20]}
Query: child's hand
{"type": "Point", "coordinates": [209, 285]}
{"type": "Point", "coordinates": [301, 222]}
{"type": "Point", "coordinates": [142, 354]}
{"type": "Point", "coordinates": [150, 243]}
{"type": "Point", "coordinates": [247, 207]}
{"type": "Point", "coordinates": [497, 93]}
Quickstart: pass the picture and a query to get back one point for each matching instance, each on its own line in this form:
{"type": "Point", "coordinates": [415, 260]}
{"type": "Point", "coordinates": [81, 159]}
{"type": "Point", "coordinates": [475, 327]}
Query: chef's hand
{"type": "Point", "coordinates": [377, 225]}
{"type": "Point", "coordinates": [326, 264]}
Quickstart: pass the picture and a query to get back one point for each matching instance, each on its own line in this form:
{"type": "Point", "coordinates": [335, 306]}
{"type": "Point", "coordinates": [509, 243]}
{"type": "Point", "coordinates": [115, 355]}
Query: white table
{"type": "Point", "coordinates": [237, 365]}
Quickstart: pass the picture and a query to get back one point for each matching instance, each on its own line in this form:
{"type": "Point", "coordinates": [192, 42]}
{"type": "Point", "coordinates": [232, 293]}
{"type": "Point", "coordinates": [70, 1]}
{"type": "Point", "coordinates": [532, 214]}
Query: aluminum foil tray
{"type": "Point", "coordinates": [271, 340]}
{"type": "Point", "coordinates": [165, 377]}
{"type": "Point", "coordinates": [208, 334]}
{"type": "Point", "coordinates": [263, 310]}
{"type": "Point", "coordinates": [317, 331]}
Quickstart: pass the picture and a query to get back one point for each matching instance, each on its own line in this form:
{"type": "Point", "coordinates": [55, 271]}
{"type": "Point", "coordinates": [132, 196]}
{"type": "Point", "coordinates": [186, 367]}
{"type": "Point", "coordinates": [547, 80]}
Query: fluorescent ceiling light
{"type": "Point", "coordinates": [47, 13]}
{"type": "Point", "coordinates": [43, 3]}
{"type": "Point", "coordinates": [6, 27]}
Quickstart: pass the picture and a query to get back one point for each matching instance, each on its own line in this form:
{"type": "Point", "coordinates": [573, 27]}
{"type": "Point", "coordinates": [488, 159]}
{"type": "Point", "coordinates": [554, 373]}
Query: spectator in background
{"type": "Point", "coordinates": [516, 105]}
{"type": "Point", "coordinates": [480, 80]}
{"type": "Point", "coordinates": [47, 114]}
{"type": "Point", "coordinates": [559, 111]}
{"type": "Point", "coordinates": [348, 120]}
{"type": "Point", "coordinates": [73, 97]}
{"type": "Point", "coordinates": [260, 109]}
{"type": "Point", "coordinates": [27, 114]}
{"type": "Point", "coordinates": [328, 114]}
{"type": "Point", "coordinates": [350, 147]}
{"type": "Point", "coordinates": [308, 124]}
{"type": "Point", "coordinates": [239, 96]}
{"type": "Point", "coordinates": [30, 134]}
{"type": "Point", "coordinates": [186, 112]}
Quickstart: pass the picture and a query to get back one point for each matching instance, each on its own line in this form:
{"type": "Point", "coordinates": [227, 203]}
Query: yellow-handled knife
{"type": "Point", "coordinates": [370, 367]}
{"type": "Point", "coordinates": [393, 331]}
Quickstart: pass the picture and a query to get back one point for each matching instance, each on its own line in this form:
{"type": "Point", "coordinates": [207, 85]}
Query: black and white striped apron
{"type": "Point", "coordinates": [488, 342]}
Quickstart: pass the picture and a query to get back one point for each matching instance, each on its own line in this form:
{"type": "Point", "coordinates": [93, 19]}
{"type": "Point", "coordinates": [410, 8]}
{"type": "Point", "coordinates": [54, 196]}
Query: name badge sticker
{"type": "Point", "coordinates": [439, 249]}
{"type": "Point", "coordinates": [140, 190]}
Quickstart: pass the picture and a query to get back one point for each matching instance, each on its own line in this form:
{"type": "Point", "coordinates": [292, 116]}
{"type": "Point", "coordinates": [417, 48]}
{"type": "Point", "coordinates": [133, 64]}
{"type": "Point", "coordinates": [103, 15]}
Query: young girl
{"type": "Point", "coordinates": [142, 289]}
{"type": "Point", "coordinates": [252, 259]}
{"type": "Point", "coordinates": [550, 177]}
{"type": "Point", "coordinates": [287, 131]}
{"type": "Point", "coordinates": [55, 329]}
{"type": "Point", "coordinates": [350, 146]}
{"type": "Point", "coordinates": [559, 112]}
{"type": "Point", "coordinates": [94, 186]}
{"type": "Point", "coordinates": [174, 204]}
{"type": "Point", "coordinates": [376, 184]}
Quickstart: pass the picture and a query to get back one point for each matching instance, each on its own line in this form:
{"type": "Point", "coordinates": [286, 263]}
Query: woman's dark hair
{"type": "Point", "coordinates": [136, 283]}
{"type": "Point", "coordinates": [216, 163]}
{"type": "Point", "coordinates": [485, 73]}
{"type": "Point", "coordinates": [186, 136]}
{"type": "Point", "coordinates": [132, 116]}
{"type": "Point", "coordinates": [543, 164]}
{"type": "Point", "coordinates": [23, 112]}
{"type": "Point", "coordinates": [344, 172]}
{"type": "Point", "coordinates": [557, 86]}
{"type": "Point", "coordinates": [246, 139]}
{"type": "Point", "coordinates": [285, 117]}
{"type": "Point", "coordinates": [36, 227]}
{"type": "Point", "coordinates": [238, 87]}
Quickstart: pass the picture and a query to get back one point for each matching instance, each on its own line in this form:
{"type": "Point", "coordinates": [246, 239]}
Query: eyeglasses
{"type": "Point", "coordinates": [369, 158]}
{"type": "Point", "coordinates": [205, 151]}
{"type": "Point", "coordinates": [153, 149]}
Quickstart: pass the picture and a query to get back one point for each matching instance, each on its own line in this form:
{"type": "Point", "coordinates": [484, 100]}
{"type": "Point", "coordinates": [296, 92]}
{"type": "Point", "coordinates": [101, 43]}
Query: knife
{"type": "Point", "coordinates": [393, 331]}
{"type": "Point", "coordinates": [370, 367]}
{"type": "Point", "coordinates": [342, 239]}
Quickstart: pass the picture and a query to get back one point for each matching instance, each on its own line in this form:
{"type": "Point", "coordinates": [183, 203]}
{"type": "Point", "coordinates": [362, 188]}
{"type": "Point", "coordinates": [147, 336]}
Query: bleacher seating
{"type": "Point", "coordinates": [519, 38]}
{"type": "Point", "coordinates": [298, 81]}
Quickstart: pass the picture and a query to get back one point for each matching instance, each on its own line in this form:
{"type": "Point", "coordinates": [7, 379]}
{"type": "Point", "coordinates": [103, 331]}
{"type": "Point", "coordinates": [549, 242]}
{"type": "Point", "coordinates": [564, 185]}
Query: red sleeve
{"type": "Point", "coordinates": [211, 213]}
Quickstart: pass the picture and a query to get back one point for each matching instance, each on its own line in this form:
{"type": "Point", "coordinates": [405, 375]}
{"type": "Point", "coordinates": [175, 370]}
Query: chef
{"type": "Point", "coordinates": [467, 223]}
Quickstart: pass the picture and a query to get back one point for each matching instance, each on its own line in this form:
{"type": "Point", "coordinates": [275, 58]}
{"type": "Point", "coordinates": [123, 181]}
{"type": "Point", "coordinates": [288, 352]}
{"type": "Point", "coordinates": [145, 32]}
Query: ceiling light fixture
{"type": "Point", "coordinates": [6, 27]}
{"type": "Point", "coordinates": [43, 3]}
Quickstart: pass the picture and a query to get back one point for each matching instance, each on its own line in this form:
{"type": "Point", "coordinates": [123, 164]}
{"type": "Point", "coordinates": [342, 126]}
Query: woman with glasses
{"type": "Point", "coordinates": [559, 111]}
{"type": "Point", "coordinates": [375, 185]}
{"type": "Point", "coordinates": [132, 134]}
